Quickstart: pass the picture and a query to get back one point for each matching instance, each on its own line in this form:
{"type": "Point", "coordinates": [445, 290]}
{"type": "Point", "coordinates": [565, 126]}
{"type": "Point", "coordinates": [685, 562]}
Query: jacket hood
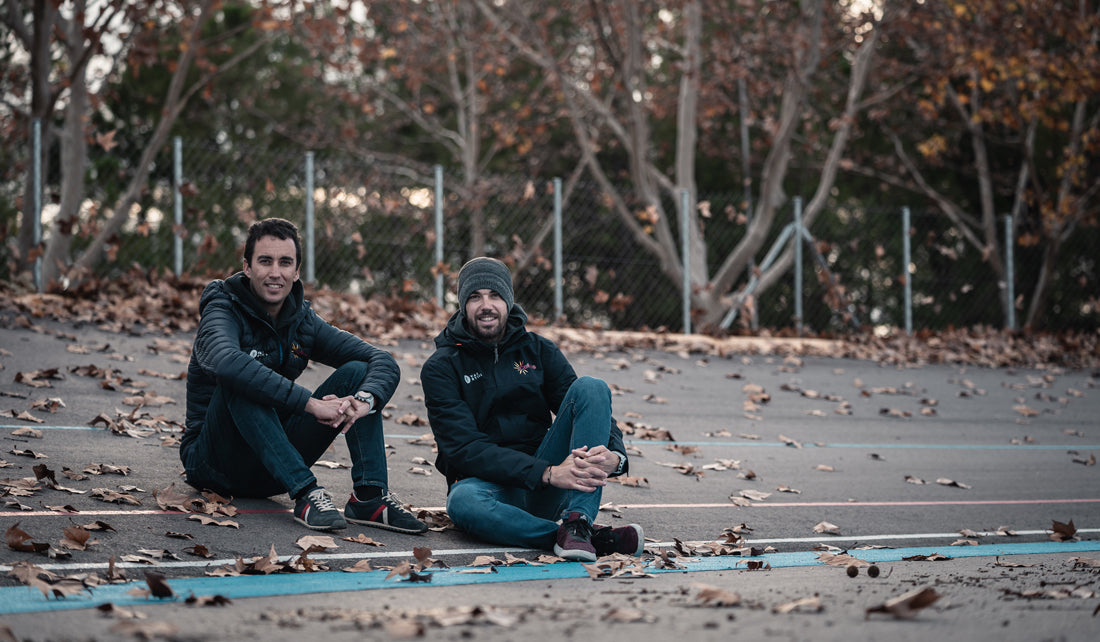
{"type": "Point", "coordinates": [456, 333]}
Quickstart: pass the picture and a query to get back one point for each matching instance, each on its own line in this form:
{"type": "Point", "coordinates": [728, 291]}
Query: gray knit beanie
{"type": "Point", "coordinates": [484, 272]}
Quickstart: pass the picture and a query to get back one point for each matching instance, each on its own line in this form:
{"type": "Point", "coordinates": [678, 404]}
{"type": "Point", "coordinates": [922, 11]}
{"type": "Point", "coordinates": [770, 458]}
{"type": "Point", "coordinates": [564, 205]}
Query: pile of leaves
{"type": "Point", "coordinates": [145, 302]}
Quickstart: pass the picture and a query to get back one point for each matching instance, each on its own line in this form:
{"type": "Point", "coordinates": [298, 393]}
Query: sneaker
{"type": "Point", "coordinates": [315, 510]}
{"type": "Point", "coordinates": [574, 539]}
{"type": "Point", "coordinates": [627, 540]}
{"type": "Point", "coordinates": [384, 512]}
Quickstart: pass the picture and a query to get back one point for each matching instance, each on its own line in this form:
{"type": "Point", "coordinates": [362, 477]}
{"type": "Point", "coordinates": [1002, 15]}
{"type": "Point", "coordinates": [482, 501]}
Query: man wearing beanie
{"type": "Point", "coordinates": [526, 446]}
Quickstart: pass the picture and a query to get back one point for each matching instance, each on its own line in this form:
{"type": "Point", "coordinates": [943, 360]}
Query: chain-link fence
{"type": "Point", "coordinates": [375, 232]}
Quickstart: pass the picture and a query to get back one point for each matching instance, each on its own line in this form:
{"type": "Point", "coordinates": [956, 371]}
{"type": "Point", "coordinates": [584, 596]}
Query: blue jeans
{"type": "Point", "coordinates": [250, 450]}
{"type": "Point", "coordinates": [520, 517]}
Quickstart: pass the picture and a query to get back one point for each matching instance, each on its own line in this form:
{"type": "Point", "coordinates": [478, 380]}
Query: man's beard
{"type": "Point", "coordinates": [485, 336]}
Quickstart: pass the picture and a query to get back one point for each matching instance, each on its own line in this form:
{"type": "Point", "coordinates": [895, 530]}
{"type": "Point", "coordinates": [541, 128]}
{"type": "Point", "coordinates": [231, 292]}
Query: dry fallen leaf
{"type": "Point", "coordinates": [826, 527]}
{"type": "Point", "coordinates": [1063, 532]}
{"type": "Point", "coordinates": [316, 542]}
{"type": "Point", "coordinates": [807, 604]}
{"type": "Point", "coordinates": [905, 606]}
{"type": "Point", "coordinates": [714, 596]}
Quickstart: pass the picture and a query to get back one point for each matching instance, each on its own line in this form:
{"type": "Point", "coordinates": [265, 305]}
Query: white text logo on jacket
{"type": "Point", "coordinates": [470, 378]}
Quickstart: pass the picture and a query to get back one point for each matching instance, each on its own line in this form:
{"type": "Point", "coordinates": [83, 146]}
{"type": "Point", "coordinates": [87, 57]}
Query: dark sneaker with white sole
{"type": "Point", "coordinates": [315, 510]}
{"type": "Point", "coordinates": [383, 512]}
{"type": "Point", "coordinates": [627, 540]}
{"type": "Point", "coordinates": [574, 539]}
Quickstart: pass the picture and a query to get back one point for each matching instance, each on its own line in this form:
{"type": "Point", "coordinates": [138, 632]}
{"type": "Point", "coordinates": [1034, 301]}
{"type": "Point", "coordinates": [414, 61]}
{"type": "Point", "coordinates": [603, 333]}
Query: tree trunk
{"type": "Point", "coordinates": [74, 157]}
{"type": "Point", "coordinates": [42, 106]}
{"type": "Point", "coordinates": [173, 105]}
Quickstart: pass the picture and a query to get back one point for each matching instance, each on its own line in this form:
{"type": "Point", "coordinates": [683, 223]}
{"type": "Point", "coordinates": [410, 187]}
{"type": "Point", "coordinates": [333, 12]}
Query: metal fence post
{"type": "Point", "coordinates": [907, 276]}
{"type": "Point", "coordinates": [685, 251]}
{"type": "Point", "coordinates": [311, 266]}
{"type": "Point", "coordinates": [177, 206]}
{"type": "Point", "coordinates": [798, 263]}
{"type": "Point", "coordinates": [439, 234]}
{"type": "Point", "coordinates": [1010, 275]}
{"type": "Point", "coordinates": [36, 202]}
{"type": "Point", "coordinates": [559, 304]}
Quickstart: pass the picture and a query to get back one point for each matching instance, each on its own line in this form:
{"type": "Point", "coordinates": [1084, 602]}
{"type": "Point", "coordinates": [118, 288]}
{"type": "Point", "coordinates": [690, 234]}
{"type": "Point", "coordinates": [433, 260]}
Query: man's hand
{"type": "Point", "coordinates": [584, 470]}
{"type": "Point", "coordinates": [337, 412]}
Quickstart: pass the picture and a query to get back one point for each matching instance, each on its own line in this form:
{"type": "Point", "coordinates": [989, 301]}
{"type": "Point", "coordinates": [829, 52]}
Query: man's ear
{"type": "Point", "coordinates": [246, 268]}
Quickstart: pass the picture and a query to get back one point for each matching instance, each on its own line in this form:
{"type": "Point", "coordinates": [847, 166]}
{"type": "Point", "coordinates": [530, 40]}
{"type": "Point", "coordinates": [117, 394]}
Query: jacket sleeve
{"type": "Point", "coordinates": [335, 347]}
{"type": "Point", "coordinates": [218, 352]}
{"type": "Point", "coordinates": [464, 449]}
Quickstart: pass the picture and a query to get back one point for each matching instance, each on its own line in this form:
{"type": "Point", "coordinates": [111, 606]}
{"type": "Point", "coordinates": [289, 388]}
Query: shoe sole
{"type": "Point", "coordinates": [574, 555]}
{"type": "Point", "coordinates": [396, 529]}
{"type": "Point", "coordinates": [364, 522]}
{"type": "Point", "coordinates": [332, 527]}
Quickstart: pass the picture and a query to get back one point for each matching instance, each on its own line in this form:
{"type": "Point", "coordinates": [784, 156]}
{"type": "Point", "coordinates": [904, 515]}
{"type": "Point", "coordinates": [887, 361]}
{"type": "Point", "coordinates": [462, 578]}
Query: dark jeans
{"type": "Point", "coordinates": [520, 517]}
{"type": "Point", "coordinates": [248, 450]}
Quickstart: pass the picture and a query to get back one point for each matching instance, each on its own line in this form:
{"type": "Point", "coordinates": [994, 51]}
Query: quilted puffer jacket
{"type": "Point", "coordinates": [240, 346]}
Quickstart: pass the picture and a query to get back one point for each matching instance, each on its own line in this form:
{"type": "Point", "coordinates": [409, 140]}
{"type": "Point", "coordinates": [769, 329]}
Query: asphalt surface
{"type": "Point", "coordinates": [835, 445]}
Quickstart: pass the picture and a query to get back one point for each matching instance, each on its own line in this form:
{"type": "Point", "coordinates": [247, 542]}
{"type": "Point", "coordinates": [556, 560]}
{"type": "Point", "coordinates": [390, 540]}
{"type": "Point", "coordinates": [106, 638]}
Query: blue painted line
{"type": "Point", "coordinates": [25, 599]}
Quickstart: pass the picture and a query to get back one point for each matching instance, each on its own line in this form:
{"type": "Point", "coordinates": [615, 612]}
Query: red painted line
{"type": "Point", "coordinates": [821, 504]}
{"type": "Point", "coordinates": [44, 513]}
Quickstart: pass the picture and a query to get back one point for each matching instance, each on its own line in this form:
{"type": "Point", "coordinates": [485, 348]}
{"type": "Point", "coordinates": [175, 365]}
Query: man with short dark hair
{"type": "Point", "coordinates": [251, 430]}
{"type": "Point", "coordinates": [523, 442]}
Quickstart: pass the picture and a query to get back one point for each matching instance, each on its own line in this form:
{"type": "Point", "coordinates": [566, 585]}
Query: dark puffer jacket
{"type": "Point", "coordinates": [238, 346]}
{"type": "Point", "coordinates": [490, 405]}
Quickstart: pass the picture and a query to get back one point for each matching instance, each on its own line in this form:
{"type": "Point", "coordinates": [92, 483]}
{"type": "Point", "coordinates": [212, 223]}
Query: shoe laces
{"type": "Point", "coordinates": [321, 500]}
{"type": "Point", "coordinates": [580, 528]}
{"type": "Point", "coordinates": [391, 500]}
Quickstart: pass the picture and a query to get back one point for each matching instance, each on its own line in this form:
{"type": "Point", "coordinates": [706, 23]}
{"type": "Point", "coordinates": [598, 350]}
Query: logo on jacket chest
{"type": "Point", "coordinates": [472, 377]}
{"type": "Point", "coordinates": [523, 367]}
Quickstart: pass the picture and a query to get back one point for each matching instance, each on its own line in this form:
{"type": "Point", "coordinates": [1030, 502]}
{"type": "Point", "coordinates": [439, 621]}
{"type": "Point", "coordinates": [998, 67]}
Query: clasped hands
{"type": "Point", "coordinates": [584, 470]}
{"type": "Point", "coordinates": [337, 412]}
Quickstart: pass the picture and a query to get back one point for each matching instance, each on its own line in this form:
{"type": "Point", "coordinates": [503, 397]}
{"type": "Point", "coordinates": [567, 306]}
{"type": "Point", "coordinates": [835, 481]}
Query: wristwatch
{"type": "Point", "coordinates": [365, 397]}
{"type": "Point", "coordinates": [622, 463]}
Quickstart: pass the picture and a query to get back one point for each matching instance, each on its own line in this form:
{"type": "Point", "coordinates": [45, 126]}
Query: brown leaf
{"type": "Point", "coordinates": [807, 604]}
{"type": "Point", "coordinates": [316, 543]}
{"type": "Point", "coordinates": [362, 539]}
{"type": "Point", "coordinates": [362, 566]}
{"type": "Point", "coordinates": [76, 538]}
{"type": "Point", "coordinates": [198, 550]}
{"type": "Point", "coordinates": [206, 520]}
{"type": "Point", "coordinates": [826, 527]}
{"type": "Point", "coordinates": [905, 606]}
{"type": "Point", "coordinates": [790, 442]}
{"type": "Point", "coordinates": [1063, 532]}
{"type": "Point", "coordinates": [17, 541]}
{"type": "Point", "coordinates": [157, 585]}
{"type": "Point", "coordinates": [171, 499]}
{"type": "Point", "coordinates": [108, 495]}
